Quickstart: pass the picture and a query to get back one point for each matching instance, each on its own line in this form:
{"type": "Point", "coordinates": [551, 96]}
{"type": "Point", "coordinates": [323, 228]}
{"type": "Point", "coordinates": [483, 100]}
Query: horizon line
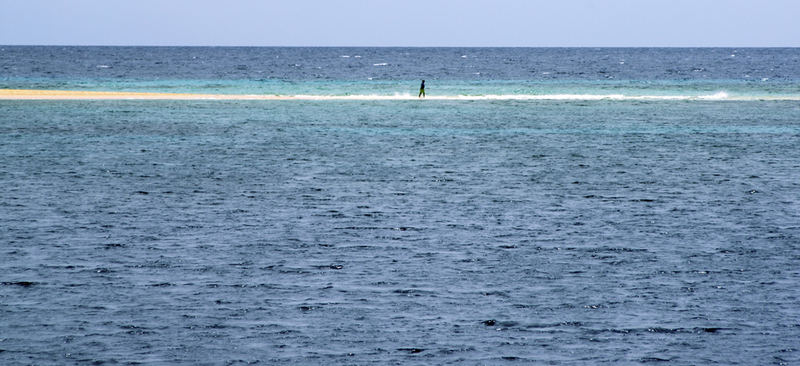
{"type": "Point", "coordinates": [352, 46]}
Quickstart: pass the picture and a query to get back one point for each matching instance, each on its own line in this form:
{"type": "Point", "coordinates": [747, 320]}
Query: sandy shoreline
{"type": "Point", "coordinates": [33, 94]}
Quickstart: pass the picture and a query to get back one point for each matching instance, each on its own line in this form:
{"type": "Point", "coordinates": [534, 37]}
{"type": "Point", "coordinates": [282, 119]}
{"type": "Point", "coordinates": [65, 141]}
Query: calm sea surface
{"type": "Point", "coordinates": [408, 232]}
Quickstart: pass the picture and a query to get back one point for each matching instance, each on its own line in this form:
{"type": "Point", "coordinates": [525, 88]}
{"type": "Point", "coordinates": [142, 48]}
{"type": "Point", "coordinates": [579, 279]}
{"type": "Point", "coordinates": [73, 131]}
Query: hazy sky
{"type": "Point", "coordinates": [734, 23]}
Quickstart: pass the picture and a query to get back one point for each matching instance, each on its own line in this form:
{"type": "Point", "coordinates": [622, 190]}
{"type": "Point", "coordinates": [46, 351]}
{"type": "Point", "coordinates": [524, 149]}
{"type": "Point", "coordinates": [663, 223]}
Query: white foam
{"type": "Point", "coordinates": [718, 96]}
{"type": "Point", "coordinates": [381, 64]}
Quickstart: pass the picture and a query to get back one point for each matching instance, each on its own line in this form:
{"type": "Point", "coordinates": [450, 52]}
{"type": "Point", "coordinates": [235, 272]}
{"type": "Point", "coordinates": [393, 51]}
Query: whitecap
{"type": "Point", "coordinates": [463, 56]}
{"type": "Point", "coordinates": [344, 56]}
{"type": "Point", "coordinates": [381, 64]}
{"type": "Point", "coordinates": [357, 56]}
{"type": "Point", "coordinates": [103, 67]}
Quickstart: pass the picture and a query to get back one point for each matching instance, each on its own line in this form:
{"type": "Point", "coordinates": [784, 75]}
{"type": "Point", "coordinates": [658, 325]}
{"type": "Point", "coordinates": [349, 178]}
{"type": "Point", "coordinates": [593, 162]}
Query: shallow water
{"type": "Point", "coordinates": [399, 232]}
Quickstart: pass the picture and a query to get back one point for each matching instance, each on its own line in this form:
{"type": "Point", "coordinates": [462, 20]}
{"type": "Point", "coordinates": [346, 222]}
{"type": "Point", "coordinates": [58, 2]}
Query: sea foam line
{"type": "Point", "coordinates": [29, 94]}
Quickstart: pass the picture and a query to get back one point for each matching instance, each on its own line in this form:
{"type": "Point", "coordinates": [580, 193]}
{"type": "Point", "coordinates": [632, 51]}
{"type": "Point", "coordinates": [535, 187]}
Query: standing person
{"type": "Point", "coordinates": [421, 90]}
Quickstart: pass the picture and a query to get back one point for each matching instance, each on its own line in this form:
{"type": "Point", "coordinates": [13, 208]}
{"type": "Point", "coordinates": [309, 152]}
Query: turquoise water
{"type": "Point", "coordinates": [748, 73]}
{"type": "Point", "coordinates": [505, 88]}
{"type": "Point", "coordinates": [414, 232]}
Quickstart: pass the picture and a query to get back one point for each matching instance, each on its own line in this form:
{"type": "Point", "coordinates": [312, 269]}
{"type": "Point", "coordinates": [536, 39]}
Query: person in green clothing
{"type": "Point", "coordinates": [421, 90]}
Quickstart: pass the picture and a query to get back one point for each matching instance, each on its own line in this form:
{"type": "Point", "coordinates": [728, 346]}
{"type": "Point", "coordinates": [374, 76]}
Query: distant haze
{"type": "Point", "coordinates": [592, 23]}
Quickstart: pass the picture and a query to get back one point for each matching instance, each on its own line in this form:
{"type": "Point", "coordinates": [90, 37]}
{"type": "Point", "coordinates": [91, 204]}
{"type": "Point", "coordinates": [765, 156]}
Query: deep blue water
{"type": "Point", "coordinates": [401, 232]}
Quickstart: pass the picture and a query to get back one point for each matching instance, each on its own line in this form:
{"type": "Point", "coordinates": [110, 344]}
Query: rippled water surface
{"type": "Point", "coordinates": [746, 72]}
{"type": "Point", "coordinates": [399, 232]}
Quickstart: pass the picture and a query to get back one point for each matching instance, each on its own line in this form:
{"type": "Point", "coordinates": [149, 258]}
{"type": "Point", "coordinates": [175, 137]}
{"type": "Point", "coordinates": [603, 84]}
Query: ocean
{"type": "Point", "coordinates": [562, 206]}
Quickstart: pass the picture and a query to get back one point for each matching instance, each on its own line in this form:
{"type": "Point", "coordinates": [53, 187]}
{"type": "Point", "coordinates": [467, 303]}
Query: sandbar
{"type": "Point", "coordinates": [33, 94]}
{"type": "Point", "coordinates": [37, 94]}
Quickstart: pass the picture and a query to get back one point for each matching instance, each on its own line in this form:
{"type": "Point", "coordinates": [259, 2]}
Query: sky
{"type": "Point", "coordinates": [456, 23]}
